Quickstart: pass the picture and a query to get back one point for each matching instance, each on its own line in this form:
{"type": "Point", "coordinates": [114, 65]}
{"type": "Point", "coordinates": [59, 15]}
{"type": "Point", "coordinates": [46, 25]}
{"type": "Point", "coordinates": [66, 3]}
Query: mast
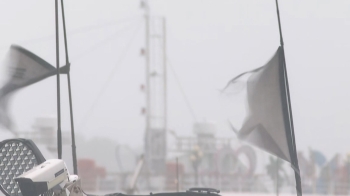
{"type": "Point", "coordinates": [156, 121]}
{"type": "Point", "coordinates": [147, 56]}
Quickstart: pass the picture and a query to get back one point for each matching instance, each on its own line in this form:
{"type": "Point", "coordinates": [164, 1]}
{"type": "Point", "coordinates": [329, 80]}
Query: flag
{"type": "Point", "coordinates": [22, 68]}
{"type": "Point", "coordinates": [268, 122]}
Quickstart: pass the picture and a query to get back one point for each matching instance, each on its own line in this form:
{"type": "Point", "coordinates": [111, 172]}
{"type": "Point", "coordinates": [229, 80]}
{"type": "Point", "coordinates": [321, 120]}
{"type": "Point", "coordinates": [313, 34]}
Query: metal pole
{"type": "Point", "coordinates": [294, 158]}
{"type": "Point", "coordinates": [279, 24]}
{"type": "Point", "coordinates": [148, 85]}
{"type": "Point", "coordinates": [59, 134]}
{"type": "Point", "coordinates": [74, 151]}
{"type": "Point", "coordinates": [165, 81]}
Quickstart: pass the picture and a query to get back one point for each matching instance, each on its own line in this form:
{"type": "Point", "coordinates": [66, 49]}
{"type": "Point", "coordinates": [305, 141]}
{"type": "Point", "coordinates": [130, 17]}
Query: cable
{"type": "Point", "coordinates": [79, 30]}
{"type": "Point", "coordinates": [110, 77]}
{"type": "Point", "coordinates": [97, 45]}
{"type": "Point", "coordinates": [188, 104]}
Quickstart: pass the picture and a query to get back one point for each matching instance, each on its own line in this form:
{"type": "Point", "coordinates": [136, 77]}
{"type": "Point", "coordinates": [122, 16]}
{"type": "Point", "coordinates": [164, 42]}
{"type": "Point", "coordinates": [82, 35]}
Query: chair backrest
{"type": "Point", "coordinates": [16, 157]}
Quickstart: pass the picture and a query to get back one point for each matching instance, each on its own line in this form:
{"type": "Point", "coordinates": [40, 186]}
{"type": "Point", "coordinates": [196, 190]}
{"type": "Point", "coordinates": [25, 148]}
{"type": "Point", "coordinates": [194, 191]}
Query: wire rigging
{"type": "Point", "coordinates": [188, 104]}
{"type": "Point", "coordinates": [109, 79]}
{"type": "Point", "coordinates": [101, 43]}
{"type": "Point", "coordinates": [84, 29]}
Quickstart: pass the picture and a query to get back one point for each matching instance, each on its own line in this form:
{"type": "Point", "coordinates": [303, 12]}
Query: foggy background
{"type": "Point", "coordinates": [208, 43]}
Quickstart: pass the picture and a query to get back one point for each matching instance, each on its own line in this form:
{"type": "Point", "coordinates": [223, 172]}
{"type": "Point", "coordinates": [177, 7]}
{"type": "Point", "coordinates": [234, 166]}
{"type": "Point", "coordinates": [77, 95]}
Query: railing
{"type": "Point", "coordinates": [185, 144]}
{"type": "Point", "coordinates": [118, 182]}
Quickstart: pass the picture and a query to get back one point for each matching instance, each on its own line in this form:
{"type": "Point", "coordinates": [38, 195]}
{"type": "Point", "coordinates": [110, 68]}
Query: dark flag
{"type": "Point", "coordinates": [23, 68]}
{"type": "Point", "coordinates": [268, 124]}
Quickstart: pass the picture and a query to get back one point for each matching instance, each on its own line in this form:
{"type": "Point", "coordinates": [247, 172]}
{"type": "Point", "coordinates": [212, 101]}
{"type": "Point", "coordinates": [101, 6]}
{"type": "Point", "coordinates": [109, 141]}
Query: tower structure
{"type": "Point", "coordinates": [156, 91]}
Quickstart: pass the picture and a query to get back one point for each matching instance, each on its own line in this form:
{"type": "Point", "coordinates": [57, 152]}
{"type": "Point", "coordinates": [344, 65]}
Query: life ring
{"type": "Point", "coordinates": [228, 153]}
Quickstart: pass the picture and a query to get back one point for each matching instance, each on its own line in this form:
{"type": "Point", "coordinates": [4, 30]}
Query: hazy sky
{"type": "Point", "coordinates": [209, 42]}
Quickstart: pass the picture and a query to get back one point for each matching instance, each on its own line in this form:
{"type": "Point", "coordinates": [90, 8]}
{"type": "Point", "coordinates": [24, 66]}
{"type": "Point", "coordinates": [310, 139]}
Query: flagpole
{"type": "Point", "coordinates": [294, 158]}
{"type": "Point", "coordinates": [59, 133]}
{"type": "Point", "coordinates": [74, 151]}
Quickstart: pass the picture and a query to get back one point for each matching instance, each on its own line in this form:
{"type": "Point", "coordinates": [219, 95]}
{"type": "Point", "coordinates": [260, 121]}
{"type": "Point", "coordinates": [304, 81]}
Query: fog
{"type": "Point", "coordinates": [207, 44]}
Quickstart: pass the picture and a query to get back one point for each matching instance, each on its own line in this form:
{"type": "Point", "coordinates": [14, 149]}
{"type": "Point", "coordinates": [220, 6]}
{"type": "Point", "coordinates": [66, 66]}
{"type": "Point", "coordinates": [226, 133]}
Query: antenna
{"type": "Point", "coordinates": [59, 133]}
{"type": "Point", "coordinates": [74, 151]}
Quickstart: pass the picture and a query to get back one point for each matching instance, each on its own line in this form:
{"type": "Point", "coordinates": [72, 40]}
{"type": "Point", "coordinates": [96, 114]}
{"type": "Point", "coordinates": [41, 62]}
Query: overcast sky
{"type": "Point", "coordinates": [208, 43]}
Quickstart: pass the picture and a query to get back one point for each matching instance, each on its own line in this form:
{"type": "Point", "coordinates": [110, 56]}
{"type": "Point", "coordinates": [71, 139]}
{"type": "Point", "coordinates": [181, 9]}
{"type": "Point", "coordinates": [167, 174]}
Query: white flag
{"type": "Point", "coordinates": [22, 68]}
{"type": "Point", "coordinates": [267, 124]}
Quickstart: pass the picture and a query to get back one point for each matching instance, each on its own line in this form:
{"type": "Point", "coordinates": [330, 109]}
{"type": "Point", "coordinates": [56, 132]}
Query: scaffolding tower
{"type": "Point", "coordinates": [156, 93]}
